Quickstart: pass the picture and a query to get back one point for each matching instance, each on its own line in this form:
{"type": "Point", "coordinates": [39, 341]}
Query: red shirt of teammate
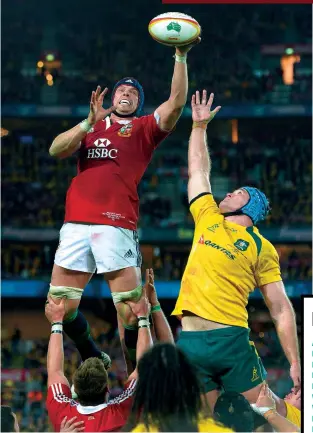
{"type": "Point", "coordinates": [112, 161]}
{"type": "Point", "coordinates": [105, 417]}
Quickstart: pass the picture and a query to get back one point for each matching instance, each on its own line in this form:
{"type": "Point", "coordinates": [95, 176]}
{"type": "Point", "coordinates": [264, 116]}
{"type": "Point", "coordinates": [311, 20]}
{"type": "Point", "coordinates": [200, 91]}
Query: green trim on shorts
{"type": "Point", "coordinates": [131, 295]}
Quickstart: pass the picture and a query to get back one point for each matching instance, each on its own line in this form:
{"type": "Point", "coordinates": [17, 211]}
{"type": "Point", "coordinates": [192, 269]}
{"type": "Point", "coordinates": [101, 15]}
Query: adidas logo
{"type": "Point", "coordinates": [129, 81]}
{"type": "Point", "coordinates": [129, 254]}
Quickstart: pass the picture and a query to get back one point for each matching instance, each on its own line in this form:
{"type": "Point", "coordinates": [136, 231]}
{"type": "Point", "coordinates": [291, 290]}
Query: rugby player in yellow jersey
{"type": "Point", "coordinates": [228, 260]}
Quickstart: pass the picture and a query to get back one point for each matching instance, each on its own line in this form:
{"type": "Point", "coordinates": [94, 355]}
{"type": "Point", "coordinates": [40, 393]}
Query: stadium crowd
{"type": "Point", "coordinates": [34, 184]}
{"type": "Point", "coordinates": [232, 66]}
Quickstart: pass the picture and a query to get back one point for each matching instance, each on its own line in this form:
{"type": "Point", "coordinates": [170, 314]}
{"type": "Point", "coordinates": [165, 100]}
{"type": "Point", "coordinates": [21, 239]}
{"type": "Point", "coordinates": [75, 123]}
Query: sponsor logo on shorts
{"type": "Point", "coordinates": [101, 150]}
{"type": "Point", "coordinates": [255, 375]}
{"type": "Point", "coordinates": [222, 249]}
{"type": "Point", "coordinates": [241, 244]}
{"type": "Point", "coordinates": [129, 254]}
{"type": "Point", "coordinates": [213, 228]}
{"type": "Point", "coordinates": [126, 130]}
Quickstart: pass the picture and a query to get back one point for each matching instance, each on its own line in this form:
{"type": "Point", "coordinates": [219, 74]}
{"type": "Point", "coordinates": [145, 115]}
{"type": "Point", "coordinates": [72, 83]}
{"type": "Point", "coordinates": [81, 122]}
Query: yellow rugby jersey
{"type": "Point", "coordinates": [293, 414]}
{"type": "Point", "coordinates": [226, 263]}
{"type": "Point", "coordinates": [206, 425]}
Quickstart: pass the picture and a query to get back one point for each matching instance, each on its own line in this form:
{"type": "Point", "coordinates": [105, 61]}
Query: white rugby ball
{"type": "Point", "coordinates": [174, 29]}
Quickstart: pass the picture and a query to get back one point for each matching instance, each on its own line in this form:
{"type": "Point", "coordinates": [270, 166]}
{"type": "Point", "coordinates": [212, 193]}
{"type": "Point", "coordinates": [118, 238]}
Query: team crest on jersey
{"type": "Point", "coordinates": [241, 245]}
{"type": "Point", "coordinates": [126, 130]}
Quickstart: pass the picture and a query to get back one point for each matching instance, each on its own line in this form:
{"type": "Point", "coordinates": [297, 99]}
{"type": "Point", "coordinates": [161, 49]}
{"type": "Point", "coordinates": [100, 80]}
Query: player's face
{"type": "Point", "coordinates": [126, 99]}
{"type": "Point", "coordinates": [234, 200]}
{"type": "Point", "coordinates": [294, 398]}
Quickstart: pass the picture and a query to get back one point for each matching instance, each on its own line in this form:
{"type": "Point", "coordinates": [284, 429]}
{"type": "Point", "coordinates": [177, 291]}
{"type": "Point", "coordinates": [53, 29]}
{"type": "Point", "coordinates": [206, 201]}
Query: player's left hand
{"type": "Point", "coordinates": [55, 312]}
{"type": "Point", "coordinates": [201, 109]}
{"type": "Point", "coordinates": [71, 425]}
{"type": "Point", "coordinates": [181, 51]}
{"type": "Point", "coordinates": [140, 308]}
{"type": "Point", "coordinates": [295, 374]}
{"type": "Point", "coordinates": [150, 288]}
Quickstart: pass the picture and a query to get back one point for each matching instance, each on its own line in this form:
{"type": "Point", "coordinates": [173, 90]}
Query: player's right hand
{"type": "Point", "coordinates": [55, 312]}
{"type": "Point", "coordinates": [71, 425]}
{"type": "Point", "coordinates": [97, 112]}
{"type": "Point", "coordinates": [265, 398]}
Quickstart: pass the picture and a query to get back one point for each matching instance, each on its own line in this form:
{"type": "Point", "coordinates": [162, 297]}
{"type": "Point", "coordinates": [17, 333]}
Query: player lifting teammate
{"type": "Point", "coordinates": [228, 260]}
{"type": "Point", "coordinates": [101, 213]}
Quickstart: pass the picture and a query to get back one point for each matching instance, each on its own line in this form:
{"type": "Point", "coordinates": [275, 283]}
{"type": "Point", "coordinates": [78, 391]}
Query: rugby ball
{"type": "Point", "coordinates": [174, 29]}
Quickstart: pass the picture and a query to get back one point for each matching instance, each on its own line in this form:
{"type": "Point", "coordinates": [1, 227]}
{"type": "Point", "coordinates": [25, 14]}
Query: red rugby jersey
{"type": "Point", "coordinates": [106, 417]}
{"type": "Point", "coordinates": [112, 160]}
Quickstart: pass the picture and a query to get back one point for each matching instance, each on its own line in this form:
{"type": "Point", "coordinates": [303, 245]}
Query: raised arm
{"type": "Point", "coordinates": [171, 110]}
{"type": "Point", "coordinates": [68, 142]}
{"type": "Point", "coordinates": [144, 341]}
{"type": "Point", "coordinates": [199, 162]}
{"type": "Point", "coordinates": [162, 328]}
{"type": "Point", "coordinates": [284, 319]}
{"type": "Point", "coordinates": [55, 359]}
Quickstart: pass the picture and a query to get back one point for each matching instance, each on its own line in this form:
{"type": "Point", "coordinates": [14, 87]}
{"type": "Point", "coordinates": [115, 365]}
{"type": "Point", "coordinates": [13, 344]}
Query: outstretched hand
{"type": "Point", "coordinates": [97, 112]}
{"type": "Point", "coordinates": [201, 110]}
{"type": "Point", "coordinates": [150, 288]}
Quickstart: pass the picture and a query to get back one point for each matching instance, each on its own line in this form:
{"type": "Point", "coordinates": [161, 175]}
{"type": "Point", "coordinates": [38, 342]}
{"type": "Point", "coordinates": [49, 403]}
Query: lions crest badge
{"type": "Point", "coordinates": [126, 130]}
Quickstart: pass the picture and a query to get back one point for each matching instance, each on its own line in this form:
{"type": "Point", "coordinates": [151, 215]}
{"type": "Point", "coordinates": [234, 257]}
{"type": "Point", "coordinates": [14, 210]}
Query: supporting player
{"type": "Point", "coordinates": [90, 379]}
{"type": "Point", "coordinates": [228, 260]}
{"type": "Point", "coordinates": [99, 232]}
{"type": "Point", "coordinates": [267, 407]}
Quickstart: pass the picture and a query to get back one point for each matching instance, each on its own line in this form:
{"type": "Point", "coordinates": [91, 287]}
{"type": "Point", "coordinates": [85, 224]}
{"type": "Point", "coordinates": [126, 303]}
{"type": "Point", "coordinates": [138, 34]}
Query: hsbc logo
{"type": "Point", "coordinates": [102, 142]}
{"type": "Point", "coordinates": [102, 150]}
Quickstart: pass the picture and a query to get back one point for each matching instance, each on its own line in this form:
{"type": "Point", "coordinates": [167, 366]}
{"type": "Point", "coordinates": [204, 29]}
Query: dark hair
{"type": "Point", "coordinates": [91, 382]}
{"type": "Point", "coordinates": [234, 411]}
{"type": "Point", "coordinates": [168, 394]}
{"type": "Point", "coordinates": [7, 419]}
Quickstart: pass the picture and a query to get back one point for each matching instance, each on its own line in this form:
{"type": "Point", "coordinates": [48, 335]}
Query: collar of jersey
{"type": "Point", "coordinates": [108, 122]}
{"type": "Point", "coordinates": [86, 410]}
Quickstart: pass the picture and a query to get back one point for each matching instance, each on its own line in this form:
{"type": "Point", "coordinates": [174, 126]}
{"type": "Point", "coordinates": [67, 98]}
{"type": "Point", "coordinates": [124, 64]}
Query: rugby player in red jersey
{"type": "Point", "coordinates": [99, 234]}
{"type": "Point", "coordinates": [90, 379]}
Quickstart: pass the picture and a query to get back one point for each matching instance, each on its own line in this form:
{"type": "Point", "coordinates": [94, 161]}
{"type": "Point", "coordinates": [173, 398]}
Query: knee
{"type": "Point", "coordinates": [125, 313]}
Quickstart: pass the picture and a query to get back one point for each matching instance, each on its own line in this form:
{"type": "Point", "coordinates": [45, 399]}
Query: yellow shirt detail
{"type": "Point", "coordinates": [226, 263]}
{"type": "Point", "coordinates": [207, 425]}
{"type": "Point", "coordinates": [293, 414]}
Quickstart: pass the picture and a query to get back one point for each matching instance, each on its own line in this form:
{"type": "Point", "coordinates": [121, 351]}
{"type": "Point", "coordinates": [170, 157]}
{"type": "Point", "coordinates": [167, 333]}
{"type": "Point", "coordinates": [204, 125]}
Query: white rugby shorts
{"type": "Point", "coordinates": [97, 248]}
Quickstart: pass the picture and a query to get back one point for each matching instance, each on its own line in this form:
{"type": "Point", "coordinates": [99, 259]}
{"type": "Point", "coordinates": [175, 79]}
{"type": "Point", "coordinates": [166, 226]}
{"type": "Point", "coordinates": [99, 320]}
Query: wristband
{"type": "Point", "coordinates": [180, 59]}
{"type": "Point", "coordinates": [262, 410]}
{"type": "Point", "coordinates": [143, 322]}
{"type": "Point", "coordinates": [57, 327]}
{"type": "Point", "coordinates": [85, 126]}
{"type": "Point", "coordinates": [270, 412]}
{"type": "Point", "coordinates": [202, 125]}
{"type": "Point", "coordinates": [56, 332]}
{"type": "Point", "coordinates": [155, 308]}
